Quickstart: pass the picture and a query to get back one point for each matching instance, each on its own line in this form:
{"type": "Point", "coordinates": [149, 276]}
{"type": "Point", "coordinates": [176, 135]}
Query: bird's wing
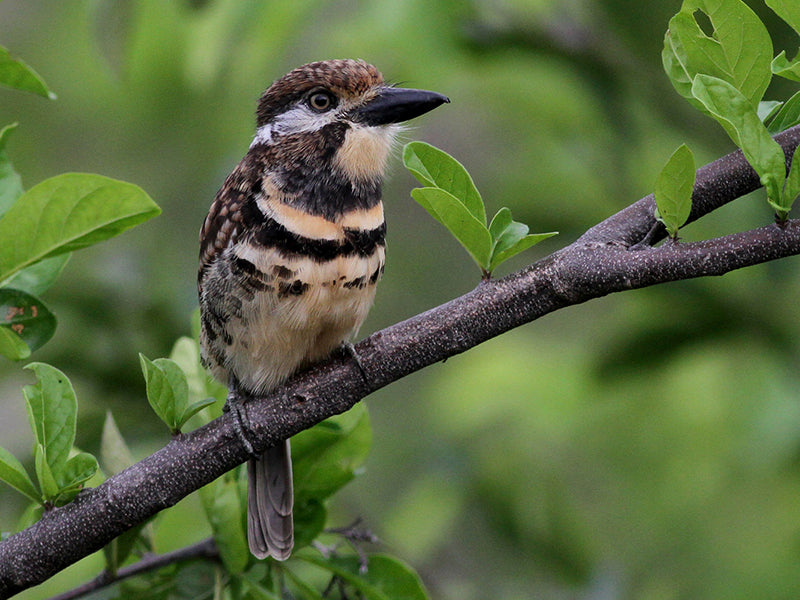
{"type": "Point", "coordinates": [223, 223]}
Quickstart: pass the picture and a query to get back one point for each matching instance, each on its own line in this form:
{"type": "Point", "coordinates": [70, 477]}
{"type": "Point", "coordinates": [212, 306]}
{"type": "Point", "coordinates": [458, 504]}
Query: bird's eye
{"type": "Point", "coordinates": [321, 101]}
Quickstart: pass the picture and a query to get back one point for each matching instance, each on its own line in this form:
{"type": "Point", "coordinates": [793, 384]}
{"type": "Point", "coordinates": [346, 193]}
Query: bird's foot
{"type": "Point", "coordinates": [235, 403]}
{"type": "Point", "coordinates": [350, 350]}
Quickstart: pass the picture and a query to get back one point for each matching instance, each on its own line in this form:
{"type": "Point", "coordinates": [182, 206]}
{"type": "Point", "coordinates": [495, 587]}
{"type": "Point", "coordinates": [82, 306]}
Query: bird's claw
{"type": "Point", "coordinates": [235, 403]}
{"type": "Point", "coordinates": [350, 350]}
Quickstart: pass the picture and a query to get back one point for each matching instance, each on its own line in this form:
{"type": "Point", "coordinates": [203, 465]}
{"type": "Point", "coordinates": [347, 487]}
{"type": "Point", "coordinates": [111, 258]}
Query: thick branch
{"type": "Point", "coordinates": [717, 183]}
{"type": "Point", "coordinates": [599, 263]}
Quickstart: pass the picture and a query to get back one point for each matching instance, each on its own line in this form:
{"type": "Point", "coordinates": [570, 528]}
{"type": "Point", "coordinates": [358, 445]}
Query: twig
{"type": "Point", "coordinates": [150, 562]}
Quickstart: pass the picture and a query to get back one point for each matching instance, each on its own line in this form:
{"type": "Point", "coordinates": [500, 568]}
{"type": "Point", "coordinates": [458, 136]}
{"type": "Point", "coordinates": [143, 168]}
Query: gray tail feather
{"type": "Point", "coordinates": [270, 529]}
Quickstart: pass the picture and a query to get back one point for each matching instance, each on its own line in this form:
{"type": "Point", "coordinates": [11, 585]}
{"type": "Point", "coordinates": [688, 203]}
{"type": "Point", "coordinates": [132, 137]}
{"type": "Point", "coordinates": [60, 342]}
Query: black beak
{"type": "Point", "coordinates": [394, 105]}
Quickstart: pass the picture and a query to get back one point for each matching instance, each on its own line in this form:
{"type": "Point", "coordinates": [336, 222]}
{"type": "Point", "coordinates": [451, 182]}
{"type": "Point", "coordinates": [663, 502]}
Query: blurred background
{"type": "Point", "coordinates": [645, 445]}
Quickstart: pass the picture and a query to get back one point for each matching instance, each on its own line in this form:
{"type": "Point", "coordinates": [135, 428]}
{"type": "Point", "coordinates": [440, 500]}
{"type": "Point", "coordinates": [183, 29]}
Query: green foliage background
{"type": "Point", "coordinates": [646, 445]}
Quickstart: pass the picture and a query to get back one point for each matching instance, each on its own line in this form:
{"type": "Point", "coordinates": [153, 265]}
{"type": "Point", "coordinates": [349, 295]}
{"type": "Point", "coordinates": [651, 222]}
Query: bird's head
{"type": "Point", "coordinates": [340, 111]}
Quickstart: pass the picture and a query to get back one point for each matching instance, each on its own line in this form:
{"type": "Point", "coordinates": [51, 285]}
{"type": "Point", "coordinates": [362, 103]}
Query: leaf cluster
{"type": "Point", "coordinates": [39, 229]}
{"type": "Point", "coordinates": [450, 197]}
{"type": "Point", "coordinates": [168, 392]}
{"type": "Point", "coordinates": [61, 471]}
{"type": "Point", "coordinates": [724, 73]}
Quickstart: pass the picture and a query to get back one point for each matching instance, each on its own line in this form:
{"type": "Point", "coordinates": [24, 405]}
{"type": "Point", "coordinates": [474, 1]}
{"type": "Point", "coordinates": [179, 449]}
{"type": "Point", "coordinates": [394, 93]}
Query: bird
{"type": "Point", "coordinates": [293, 247]}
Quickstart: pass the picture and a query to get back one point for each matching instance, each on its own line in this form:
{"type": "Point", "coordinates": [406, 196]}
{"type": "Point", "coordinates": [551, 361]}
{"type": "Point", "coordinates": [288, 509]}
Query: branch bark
{"type": "Point", "coordinates": [608, 258]}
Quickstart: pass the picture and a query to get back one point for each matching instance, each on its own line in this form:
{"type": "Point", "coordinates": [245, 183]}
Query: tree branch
{"type": "Point", "coordinates": [206, 548]}
{"type": "Point", "coordinates": [608, 258]}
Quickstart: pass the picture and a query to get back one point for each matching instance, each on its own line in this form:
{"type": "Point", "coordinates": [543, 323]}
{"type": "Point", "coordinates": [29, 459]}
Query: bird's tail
{"type": "Point", "coordinates": [270, 530]}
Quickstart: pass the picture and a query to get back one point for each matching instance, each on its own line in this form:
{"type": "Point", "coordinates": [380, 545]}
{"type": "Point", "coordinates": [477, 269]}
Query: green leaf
{"type": "Point", "coordinates": [792, 188]}
{"type": "Point", "coordinates": [737, 52]}
{"type": "Point", "coordinates": [17, 75]}
{"type": "Point", "coordinates": [673, 190]}
{"type": "Point", "coordinates": [179, 386]}
{"type": "Point", "coordinates": [468, 230]}
{"type": "Point", "coordinates": [256, 590]}
{"type": "Point", "coordinates": [327, 456]}
{"type": "Point", "coordinates": [394, 578]}
{"type": "Point", "coordinates": [767, 109]}
{"type": "Point", "coordinates": [52, 411]}
{"type": "Point", "coordinates": [386, 577]}
{"type": "Point", "coordinates": [500, 223]}
{"type": "Point", "coordinates": [186, 354]}
{"type": "Point", "coordinates": [78, 469]}
{"type": "Point", "coordinates": [68, 212]}
{"type": "Point", "coordinates": [31, 514]}
{"type": "Point", "coordinates": [304, 590]}
{"type": "Point", "coordinates": [510, 237]}
{"type": "Point", "coordinates": [435, 168]}
{"type": "Point", "coordinates": [15, 475]}
{"type": "Point", "coordinates": [167, 390]}
{"type": "Point", "coordinates": [520, 245]}
{"type": "Point", "coordinates": [12, 346]}
{"type": "Point", "coordinates": [739, 119]}
{"type": "Point", "coordinates": [788, 10]}
{"type": "Point", "coordinates": [194, 408]}
{"type": "Point", "coordinates": [10, 181]}
{"type": "Point", "coordinates": [47, 482]}
{"type": "Point", "coordinates": [40, 276]}
{"type": "Point", "coordinates": [119, 549]}
{"type": "Point", "coordinates": [115, 454]}
{"type": "Point", "coordinates": [787, 116]}
{"type": "Point", "coordinates": [225, 511]}
{"type": "Point", "coordinates": [783, 67]}
{"type": "Point", "coordinates": [309, 521]}
{"type": "Point", "coordinates": [5, 133]}
{"type": "Point", "coordinates": [27, 316]}
{"type": "Point", "coordinates": [192, 581]}
{"type": "Point", "coordinates": [204, 390]}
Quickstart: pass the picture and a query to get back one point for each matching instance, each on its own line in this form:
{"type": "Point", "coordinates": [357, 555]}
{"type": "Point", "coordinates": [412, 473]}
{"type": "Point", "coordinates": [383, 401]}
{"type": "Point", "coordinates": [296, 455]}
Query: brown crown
{"type": "Point", "coordinates": [344, 77]}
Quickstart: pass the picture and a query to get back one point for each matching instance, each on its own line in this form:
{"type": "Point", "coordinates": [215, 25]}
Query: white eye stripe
{"type": "Point", "coordinates": [263, 135]}
{"type": "Point", "coordinates": [300, 119]}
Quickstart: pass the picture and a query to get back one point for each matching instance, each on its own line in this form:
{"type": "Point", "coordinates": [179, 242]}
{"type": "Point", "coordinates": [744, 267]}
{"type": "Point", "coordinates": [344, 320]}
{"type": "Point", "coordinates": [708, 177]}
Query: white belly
{"type": "Point", "coordinates": [280, 333]}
